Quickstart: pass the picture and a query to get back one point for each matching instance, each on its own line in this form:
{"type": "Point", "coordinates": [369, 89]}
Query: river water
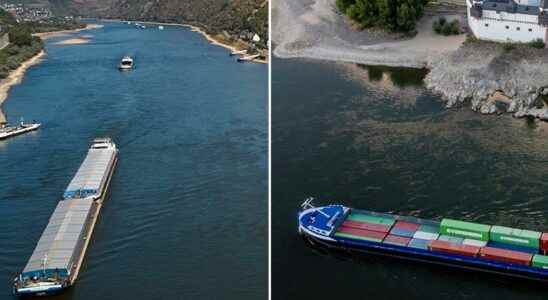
{"type": "Point", "coordinates": [187, 213]}
{"type": "Point", "coordinates": [374, 138]}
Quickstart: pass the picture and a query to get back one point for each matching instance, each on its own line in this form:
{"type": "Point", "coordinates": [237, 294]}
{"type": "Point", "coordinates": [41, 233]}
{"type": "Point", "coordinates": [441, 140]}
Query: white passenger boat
{"type": "Point", "coordinates": [126, 63]}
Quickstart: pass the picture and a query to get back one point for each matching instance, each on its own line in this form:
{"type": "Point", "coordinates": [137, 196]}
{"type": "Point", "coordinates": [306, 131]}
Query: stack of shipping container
{"type": "Point", "coordinates": [496, 243]}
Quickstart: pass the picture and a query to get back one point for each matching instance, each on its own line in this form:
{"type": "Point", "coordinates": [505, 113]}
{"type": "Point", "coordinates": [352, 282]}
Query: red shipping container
{"type": "Point", "coordinates": [366, 226]}
{"type": "Point", "coordinates": [452, 248]}
{"type": "Point", "coordinates": [363, 233]}
{"type": "Point", "coordinates": [544, 242]}
{"type": "Point", "coordinates": [407, 225]}
{"type": "Point", "coordinates": [509, 256]}
{"type": "Point", "coordinates": [398, 240]}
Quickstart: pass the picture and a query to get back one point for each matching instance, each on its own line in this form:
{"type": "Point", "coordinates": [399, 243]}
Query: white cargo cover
{"type": "Point", "coordinates": [62, 237]}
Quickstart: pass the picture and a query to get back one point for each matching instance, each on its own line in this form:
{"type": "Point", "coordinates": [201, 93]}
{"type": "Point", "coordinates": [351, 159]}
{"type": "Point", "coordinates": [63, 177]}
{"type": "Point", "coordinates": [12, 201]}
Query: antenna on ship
{"type": "Point", "coordinates": [308, 203]}
{"type": "Point", "coordinates": [44, 262]}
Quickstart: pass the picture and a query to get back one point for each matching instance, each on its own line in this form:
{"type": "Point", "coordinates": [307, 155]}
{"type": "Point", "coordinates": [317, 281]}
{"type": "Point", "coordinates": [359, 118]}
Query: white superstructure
{"type": "Point", "coordinates": [126, 63]}
{"type": "Point", "coordinates": [508, 20]}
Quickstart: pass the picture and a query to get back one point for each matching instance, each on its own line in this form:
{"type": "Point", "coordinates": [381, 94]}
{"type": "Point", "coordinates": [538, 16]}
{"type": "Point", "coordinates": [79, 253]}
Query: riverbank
{"type": "Point", "coordinates": [53, 34]}
{"type": "Point", "coordinates": [463, 73]}
{"type": "Point", "coordinates": [14, 78]}
{"type": "Point", "coordinates": [210, 38]}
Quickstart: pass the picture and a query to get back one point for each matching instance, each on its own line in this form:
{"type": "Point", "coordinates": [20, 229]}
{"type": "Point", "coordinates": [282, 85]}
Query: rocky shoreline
{"type": "Point", "coordinates": [493, 80]}
{"type": "Point", "coordinates": [484, 75]}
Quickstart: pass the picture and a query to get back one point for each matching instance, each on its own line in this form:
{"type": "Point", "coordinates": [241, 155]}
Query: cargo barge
{"type": "Point", "coordinates": [466, 245]}
{"type": "Point", "coordinates": [11, 131]}
{"type": "Point", "coordinates": [56, 261]}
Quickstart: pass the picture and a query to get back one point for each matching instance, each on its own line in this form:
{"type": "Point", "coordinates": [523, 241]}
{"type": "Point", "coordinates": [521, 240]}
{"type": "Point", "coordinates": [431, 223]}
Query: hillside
{"type": "Point", "coordinates": [236, 18]}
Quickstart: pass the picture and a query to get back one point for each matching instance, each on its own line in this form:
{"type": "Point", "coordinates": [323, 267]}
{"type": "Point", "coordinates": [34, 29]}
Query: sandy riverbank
{"type": "Point", "coordinates": [74, 41]}
{"type": "Point", "coordinates": [15, 77]}
{"type": "Point", "coordinates": [52, 34]}
{"type": "Point", "coordinates": [314, 29]}
{"type": "Point", "coordinates": [208, 37]}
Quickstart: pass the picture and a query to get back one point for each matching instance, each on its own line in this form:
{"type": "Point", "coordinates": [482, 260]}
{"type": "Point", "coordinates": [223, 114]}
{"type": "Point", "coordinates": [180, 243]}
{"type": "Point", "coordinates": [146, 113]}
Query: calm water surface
{"type": "Point", "coordinates": [187, 213]}
{"type": "Point", "coordinates": [374, 138]}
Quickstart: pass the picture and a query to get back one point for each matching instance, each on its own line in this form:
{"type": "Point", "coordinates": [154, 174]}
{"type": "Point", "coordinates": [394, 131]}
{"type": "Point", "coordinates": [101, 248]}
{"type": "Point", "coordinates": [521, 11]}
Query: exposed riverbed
{"type": "Point", "coordinates": [462, 73]}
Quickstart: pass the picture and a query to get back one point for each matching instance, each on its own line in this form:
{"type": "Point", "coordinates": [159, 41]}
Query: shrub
{"type": "Point", "coordinates": [442, 20]}
{"type": "Point", "coordinates": [508, 46]}
{"type": "Point", "coordinates": [538, 43]}
{"type": "Point", "coordinates": [441, 26]}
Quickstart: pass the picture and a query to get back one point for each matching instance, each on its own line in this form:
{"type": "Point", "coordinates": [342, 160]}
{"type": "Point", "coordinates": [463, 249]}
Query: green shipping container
{"type": "Point", "coordinates": [514, 236]}
{"type": "Point", "coordinates": [540, 261]}
{"type": "Point", "coordinates": [371, 219]}
{"type": "Point", "coordinates": [465, 229]}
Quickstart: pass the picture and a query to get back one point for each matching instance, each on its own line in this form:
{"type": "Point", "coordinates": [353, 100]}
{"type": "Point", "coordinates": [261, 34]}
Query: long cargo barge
{"type": "Point", "coordinates": [56, 261]}
{"type": "Point", "coordinates": [466, 245]}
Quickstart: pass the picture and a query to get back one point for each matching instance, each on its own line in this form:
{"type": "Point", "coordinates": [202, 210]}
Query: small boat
{"type": "Point", "coordinates": [126, 63]}
{"type": "Point", "coordinates": [11, 131]}
{"type": "Point", "coordinates": [161, 27]}
{"type": "Point", "coordinates": [236, 52]}
{"type": "Point", "coordinates": [452, 243]}
{"type": "Point", "coordinates": [129, 22]}
{"type": "Point", "coordinates": [248, 58]}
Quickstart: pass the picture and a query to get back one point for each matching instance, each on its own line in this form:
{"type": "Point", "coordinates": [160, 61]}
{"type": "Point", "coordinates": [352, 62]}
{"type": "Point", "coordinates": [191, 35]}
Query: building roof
{"type": "Point", "coordinates": [510, 6]}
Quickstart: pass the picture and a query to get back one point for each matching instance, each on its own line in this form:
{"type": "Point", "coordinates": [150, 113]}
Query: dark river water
{"type": "Point", "coordinates": [376, 139]}
{"type": "Point", "coordinates": [187, 213]}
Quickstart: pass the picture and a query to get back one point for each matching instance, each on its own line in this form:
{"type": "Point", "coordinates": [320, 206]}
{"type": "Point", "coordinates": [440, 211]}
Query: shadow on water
{"type": "Point", "coordinates": [400, 77]}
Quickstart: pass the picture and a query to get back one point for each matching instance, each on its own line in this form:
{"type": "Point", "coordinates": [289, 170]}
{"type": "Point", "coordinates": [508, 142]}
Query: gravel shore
{"type": "Point", "coordinates": [481, 74]}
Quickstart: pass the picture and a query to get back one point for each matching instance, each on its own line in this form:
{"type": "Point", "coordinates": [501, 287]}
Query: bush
{"type": "Point", "coordinates": [508, 46]}
{"type": "Point", "coordinates": [441, 26]}
{"type": "Point", "coordinates": [538, 43]}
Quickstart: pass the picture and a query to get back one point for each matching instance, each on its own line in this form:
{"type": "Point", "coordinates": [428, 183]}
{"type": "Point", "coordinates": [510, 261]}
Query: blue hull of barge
{"type": "Point", "coordinates": [461, 262]}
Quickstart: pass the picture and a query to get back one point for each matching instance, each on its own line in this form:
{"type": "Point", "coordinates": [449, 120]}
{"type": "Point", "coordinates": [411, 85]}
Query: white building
{"type": "Point", "coordinates": [508, 20]}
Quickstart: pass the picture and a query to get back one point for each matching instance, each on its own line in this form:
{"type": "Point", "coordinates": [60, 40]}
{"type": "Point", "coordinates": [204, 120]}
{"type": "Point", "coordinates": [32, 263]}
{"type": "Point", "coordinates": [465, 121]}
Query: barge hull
{"type": "Point", "coordinates": [97, 205]}
{"type": "Point", "coordinates": [404, 252]}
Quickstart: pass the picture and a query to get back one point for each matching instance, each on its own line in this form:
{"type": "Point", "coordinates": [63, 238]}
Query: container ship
{"type": "Point", "coordinates": [55, 263]}
{"type": "Point", "coordinates": [455, 243]}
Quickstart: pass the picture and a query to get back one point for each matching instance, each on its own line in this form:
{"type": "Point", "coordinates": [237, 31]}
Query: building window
{"type": "Point", "coordinates": [517, 28]}
{"type": "Point", "coordinates": [507, 27]}
{"type": "Point", "coordinates": [486, 25]}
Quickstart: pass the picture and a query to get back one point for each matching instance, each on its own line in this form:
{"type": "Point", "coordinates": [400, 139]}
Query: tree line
{"type": "Point", "coordinates": [394, 15]}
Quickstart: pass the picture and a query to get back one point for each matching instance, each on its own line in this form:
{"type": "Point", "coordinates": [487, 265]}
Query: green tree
{"type": "Point", "coordinates": [406, 17]}
{"type": "Point", "coordinates": [20, 36]}
{"type": "Point", "coordinates": [397, 15]}
{"type": "Point", "coordinates": [343, 5]}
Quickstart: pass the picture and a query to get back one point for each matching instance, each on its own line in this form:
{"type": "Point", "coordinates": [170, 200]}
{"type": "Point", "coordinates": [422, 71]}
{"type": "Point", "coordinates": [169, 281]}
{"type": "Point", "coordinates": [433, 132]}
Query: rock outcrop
{"type": "Point", "coordinates": [478, 70]}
